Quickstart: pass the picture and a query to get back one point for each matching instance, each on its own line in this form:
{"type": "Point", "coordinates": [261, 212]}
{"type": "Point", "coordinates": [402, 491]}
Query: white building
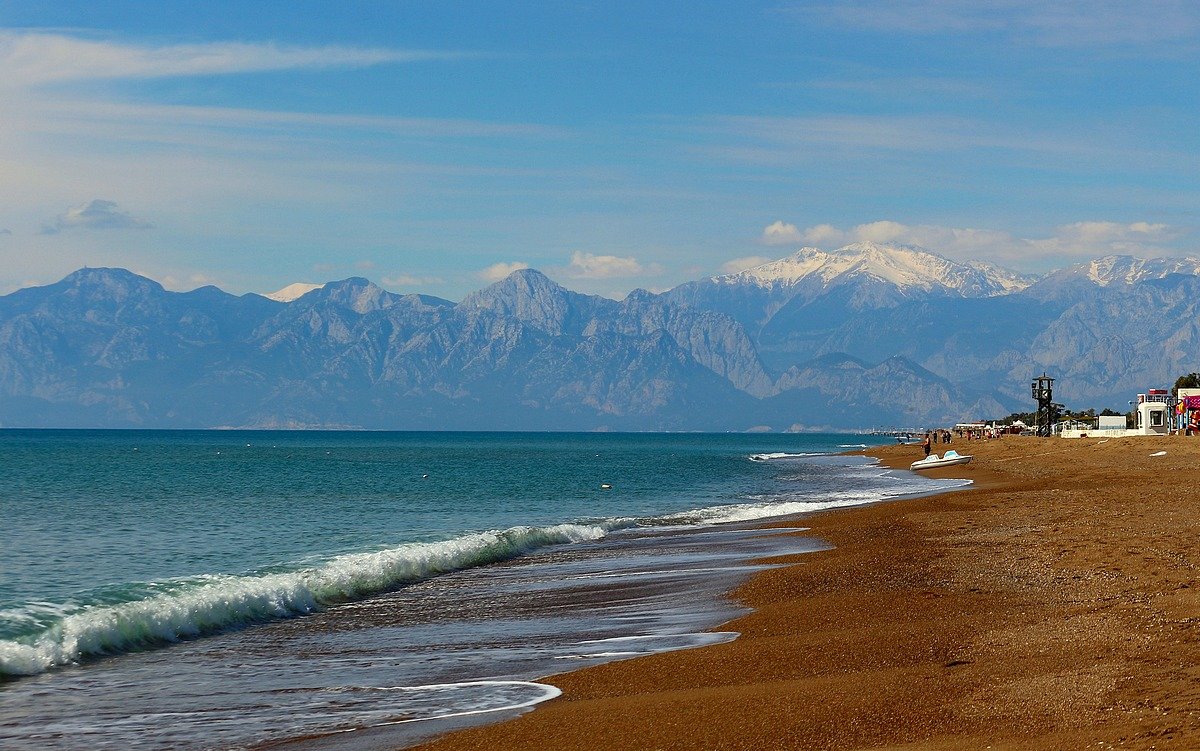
{"type": "Point", "coordinates": [1153, 417]}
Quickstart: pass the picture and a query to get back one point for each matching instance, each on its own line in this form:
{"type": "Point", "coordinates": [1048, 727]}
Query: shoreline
{"type": "Point", "coordinates": [1051, 604]}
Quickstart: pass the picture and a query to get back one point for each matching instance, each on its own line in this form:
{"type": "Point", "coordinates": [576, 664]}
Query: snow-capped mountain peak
{"type": "Point", "coordinates": [292, 291]}
{"type": "Point", "coordinates": [1111, 270]}
{"type": "Point", "coordinates": [906, 267]}
{"type": "Point", "coordinates": [1011, 281]}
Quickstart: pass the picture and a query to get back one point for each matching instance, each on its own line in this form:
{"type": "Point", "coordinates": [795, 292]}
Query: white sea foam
{"type": "Point", "coordinates": [288, 714]}
{"type": "Point", "coordinates": [780, 455]}
{"type": "Point", "coordinates": [765, 507]}
{"type": "Point", "coordinates": [211, 603]}
{"type": "Point", "coordinates": [188, 608]}
{"type": "Point", "coordinates": [542, 692]}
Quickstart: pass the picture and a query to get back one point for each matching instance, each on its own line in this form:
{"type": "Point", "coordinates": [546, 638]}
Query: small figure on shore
{"type": "Point", "coordinates": [927, 443]}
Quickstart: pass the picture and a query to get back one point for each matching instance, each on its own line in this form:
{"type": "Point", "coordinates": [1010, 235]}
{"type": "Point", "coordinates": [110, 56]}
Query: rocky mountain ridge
{"type": "Point", "coordinates": [848, 341]}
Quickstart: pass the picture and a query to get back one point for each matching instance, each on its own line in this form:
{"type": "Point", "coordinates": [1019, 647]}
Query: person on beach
{"type": "Point", "coordinates": [926, 444]}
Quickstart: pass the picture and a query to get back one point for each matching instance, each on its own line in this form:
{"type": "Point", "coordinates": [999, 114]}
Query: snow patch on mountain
{"type": "Point", "coordinates": [292, 292]}
{"type": "Point", "coordinates": [1010, 281]}
{"type": "Point", "coordinates": [1111, 270]}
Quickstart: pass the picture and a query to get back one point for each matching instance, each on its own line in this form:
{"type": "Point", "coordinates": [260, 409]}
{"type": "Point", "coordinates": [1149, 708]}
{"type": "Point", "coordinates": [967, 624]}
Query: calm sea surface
{"type": "Point", "coordinates": [179, 589]}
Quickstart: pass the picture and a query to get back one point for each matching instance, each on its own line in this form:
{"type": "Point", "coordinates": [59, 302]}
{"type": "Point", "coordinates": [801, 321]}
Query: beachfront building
{"type": "Point", "coordinates": [1153, 416]}
{"type": "Point", "coordinates": [970, 429]}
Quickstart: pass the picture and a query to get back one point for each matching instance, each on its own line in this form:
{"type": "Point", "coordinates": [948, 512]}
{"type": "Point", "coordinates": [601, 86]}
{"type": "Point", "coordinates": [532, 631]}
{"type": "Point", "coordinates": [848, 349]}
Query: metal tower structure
{"type": "Point", "coordinates": [1047, 411]}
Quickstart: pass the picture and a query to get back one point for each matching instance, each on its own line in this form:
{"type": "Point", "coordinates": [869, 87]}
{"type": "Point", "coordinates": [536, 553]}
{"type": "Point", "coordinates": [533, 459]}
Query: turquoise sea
{"type": "Point", "coordinates": [222, 589]}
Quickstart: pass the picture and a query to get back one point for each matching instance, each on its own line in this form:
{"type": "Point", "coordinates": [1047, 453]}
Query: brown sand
{"type": "Point", "coordinates": [1053, 606]}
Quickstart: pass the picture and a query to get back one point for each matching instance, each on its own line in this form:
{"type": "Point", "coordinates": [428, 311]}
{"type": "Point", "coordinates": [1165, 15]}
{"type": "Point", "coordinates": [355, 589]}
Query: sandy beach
{"type": "Point", "coordinates": [1052, 605]}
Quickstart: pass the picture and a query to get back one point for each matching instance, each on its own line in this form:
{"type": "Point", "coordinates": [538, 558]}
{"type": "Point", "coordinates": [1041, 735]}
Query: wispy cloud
{"type": "Point", "coordinates": [781, 138]}
{"type": "Point", "coordinates": [1063, 23]}
{"type": "Point", "coordinates": [33, 59]}
{"type": "Point", "coordinates": [95, 214]}
{"type": "Point", "coordinates": [92, 114]}
{"type": "Point", "coordinates": [885, 84]}
{"type": "Point", "coordinates": [838, 145]}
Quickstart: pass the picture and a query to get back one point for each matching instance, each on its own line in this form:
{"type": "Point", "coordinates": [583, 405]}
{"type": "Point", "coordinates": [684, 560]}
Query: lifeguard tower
{"type": "Point", "coordinates": [1042, 389]}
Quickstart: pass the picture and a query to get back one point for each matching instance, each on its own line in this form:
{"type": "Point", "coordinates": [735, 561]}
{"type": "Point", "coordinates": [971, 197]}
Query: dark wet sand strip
{"type": "Point", "coordinates": [1054, 605]}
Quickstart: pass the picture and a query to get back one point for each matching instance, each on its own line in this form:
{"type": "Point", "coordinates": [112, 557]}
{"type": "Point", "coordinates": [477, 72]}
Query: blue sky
{"type": "Point", "coordinates": [432, 146]}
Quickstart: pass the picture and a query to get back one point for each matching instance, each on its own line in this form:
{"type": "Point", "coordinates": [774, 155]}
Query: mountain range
{"type": "Point", "coordinates": [864, 336]}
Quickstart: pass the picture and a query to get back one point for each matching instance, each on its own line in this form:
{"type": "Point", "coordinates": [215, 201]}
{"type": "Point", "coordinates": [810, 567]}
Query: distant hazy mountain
{"type": "Point", "coordinates": [105, 347]}
{"type": "Point", "coordinates": [1081, 280]}
{"type": "Point", "coordinates": [1111, 270]}
{"type": "Point", "coordinates": [867, 335]}
{"type": "Point", "coordinates": [1007, 280]}
{"type": "Point", "coordinates": [981, 327]}
{"type": "Point", "coordinates": [794, 308]}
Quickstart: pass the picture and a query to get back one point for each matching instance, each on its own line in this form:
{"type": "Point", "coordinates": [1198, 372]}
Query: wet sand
{"type": "Point", "coordinates": [1055, 604]}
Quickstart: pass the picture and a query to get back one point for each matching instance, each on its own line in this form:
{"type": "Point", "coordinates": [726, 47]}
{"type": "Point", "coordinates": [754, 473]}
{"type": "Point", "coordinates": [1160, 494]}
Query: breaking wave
{"type": "Point", "coordinates": [207, 604]}
{"type": "Point", "coordinates": [155, 614]}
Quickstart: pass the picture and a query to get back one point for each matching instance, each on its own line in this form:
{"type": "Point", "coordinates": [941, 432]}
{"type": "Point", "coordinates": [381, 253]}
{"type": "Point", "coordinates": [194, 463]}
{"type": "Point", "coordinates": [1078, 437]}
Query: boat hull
{"type": "Point", "coordinates": [934, 462]}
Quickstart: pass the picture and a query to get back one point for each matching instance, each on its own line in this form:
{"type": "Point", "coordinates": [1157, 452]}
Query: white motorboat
{"type": "Point", "coordinates": [949, 459]}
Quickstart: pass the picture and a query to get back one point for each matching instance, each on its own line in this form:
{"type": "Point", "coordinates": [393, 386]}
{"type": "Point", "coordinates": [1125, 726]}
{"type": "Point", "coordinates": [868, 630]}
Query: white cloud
{"type": "Point", "coordinates": [882, 232]}
{"type": "Point", "coordinates": [823, 234]}
{"type": "Point", "coordinates": [498, 271]}
{"type": "Point", "coordinates": [95, 214]}
{"type": "Point", "coordinates": [1089, 239]}
{"type": "Point", "coordinates": [780, 233]}
{"type": "Point", "coordinates": [741, 264]}
{"type": "Point", "coordinates": [183, 284]}
{"type": "Point", "coordinates": [1093, 232]}
{"type": "Point", "coordinates": [946, 240]}
{"type": "Point", "coordinates": [32, 59]}
{"type": "Point", "coordinates": [1067, 244]}
{"type": "Point", "coordinates": [410, 280]}
{"type": "Point", "coordinates": [588, 266]}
